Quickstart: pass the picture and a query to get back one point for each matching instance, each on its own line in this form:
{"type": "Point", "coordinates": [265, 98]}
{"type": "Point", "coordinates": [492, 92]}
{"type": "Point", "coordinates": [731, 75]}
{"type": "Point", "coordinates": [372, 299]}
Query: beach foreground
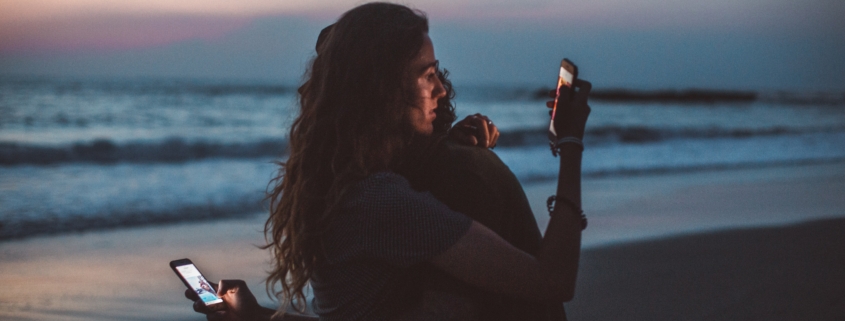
{"type": "Point", "coordinates": [793, 272]}
{"type": "Point", "coordinates": [756, 243]}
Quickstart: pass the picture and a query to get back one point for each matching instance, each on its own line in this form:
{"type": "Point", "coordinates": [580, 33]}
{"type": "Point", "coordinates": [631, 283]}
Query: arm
{"type": "Point", "coordinates": [241, 305]}
{"type": "Point", "coordinates": [551, 274]}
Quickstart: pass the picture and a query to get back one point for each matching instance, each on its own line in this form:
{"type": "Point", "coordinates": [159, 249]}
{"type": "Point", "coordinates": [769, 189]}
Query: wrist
{"type": "Point", "coordinates": [571, 141]}
{"type": "Point", "coordinates": [554, 201]}
{"type": "Point", "coordinates": [568, 144]}
{"type": "Point", "coordinates": [572, 148]}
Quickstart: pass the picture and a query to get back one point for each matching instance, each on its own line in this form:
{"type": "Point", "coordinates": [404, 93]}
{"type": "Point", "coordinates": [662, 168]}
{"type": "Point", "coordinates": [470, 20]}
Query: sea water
{"type": "Point", "coordinates": [87, 154]}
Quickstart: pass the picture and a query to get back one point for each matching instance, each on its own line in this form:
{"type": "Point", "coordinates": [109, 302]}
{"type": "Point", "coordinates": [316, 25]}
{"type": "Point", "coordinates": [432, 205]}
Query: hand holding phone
{"type": "Point", "coordinates": [566, 77]}
{"type": "Point", "coordinates": [236, 303]}
{"type": "Point", "coordinates": [195, 281]}
{"type": "Point", "coordinates": [569, 109]}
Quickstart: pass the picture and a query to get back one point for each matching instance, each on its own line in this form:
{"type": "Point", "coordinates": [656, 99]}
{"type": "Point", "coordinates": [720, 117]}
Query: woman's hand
{"type": "Point", "coordinates": [572, 110]}
{"type": "Point", "coordinates": [475, 130]}
{"type": "Point", "coordinates": [239, 302]}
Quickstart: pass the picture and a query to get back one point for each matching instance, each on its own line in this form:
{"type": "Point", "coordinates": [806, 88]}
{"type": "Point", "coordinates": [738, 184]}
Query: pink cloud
{"type": "Point", "coordinates": [108, 33]}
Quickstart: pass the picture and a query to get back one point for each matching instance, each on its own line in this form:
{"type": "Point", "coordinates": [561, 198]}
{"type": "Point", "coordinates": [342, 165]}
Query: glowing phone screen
{"type": "Point", "coordinates": [564, 79]}
{"type": "Point", "coordinates": [199, 284]}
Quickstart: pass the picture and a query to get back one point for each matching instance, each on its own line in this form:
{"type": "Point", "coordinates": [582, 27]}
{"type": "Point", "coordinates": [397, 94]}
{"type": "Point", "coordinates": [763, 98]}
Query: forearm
{"type": "Point", "coordinates": [550, 274]}
{"type": "Point", "coordinates": [561, 247]}
{"type": "Point", "coordinates": [547, 276]}
{"type": "Point", "coordinates": [569, 175]}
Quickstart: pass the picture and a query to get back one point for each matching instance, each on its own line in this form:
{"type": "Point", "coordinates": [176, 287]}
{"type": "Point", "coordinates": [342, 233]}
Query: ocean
{"type": "Point", "coordinates": [78, 155]}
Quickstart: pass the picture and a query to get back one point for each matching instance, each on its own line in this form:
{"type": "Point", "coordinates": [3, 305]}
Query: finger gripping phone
{"type": "Point", "coordinates": [566, 77]}
{"type": "Point", "coordinates": [194, 280]}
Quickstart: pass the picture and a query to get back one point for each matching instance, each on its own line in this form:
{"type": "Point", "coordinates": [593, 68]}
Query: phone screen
{"type": "Point", "coordinates": [565, 78]}
{"type": "Point", "coordinates": [198, 283]}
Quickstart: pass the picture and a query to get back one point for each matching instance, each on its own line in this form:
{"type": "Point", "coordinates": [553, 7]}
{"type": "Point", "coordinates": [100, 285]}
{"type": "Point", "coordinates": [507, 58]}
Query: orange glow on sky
{"type": "Point", "coordinates": [51, 9]}
{"type": "Point", "coordinates": [70, 25]}
{"type": "Point", "coordinates": [16, 10]}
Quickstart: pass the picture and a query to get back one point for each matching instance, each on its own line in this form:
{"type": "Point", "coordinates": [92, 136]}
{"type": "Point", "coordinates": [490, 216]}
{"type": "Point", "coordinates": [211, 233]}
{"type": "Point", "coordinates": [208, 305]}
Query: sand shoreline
{"type": "Point", "coordinates": [625, 209]}
{"type": "Point", "coordinates": [123, 274]}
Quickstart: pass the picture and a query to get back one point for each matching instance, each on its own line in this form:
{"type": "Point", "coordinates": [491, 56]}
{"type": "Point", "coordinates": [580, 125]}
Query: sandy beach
{"type": "Point", "coordinates": [792, 272]}
{"type": "Point", "coordinates": [753, 243]}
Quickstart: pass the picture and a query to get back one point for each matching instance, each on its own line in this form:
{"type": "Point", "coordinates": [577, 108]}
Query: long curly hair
{"type": "Point", "coordinates": [353, 121]}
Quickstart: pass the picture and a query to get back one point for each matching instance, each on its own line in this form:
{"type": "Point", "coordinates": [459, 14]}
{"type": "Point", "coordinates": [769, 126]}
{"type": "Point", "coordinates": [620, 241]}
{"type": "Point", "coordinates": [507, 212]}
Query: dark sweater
{"type": "Point", "coordinates": [382, 230]}
{"type": "Point", "coordinates": [475, 182]}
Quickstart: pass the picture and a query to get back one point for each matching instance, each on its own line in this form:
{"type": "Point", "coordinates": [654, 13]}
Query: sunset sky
{"type": "Point", "coordinates": [744, 44]}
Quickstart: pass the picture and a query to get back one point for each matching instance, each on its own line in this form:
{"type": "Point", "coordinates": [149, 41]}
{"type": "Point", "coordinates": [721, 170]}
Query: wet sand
{"type": "Point", "coordinates": [732, 244]}
{"type": "Point", "coordinates": [124, 274]}
{"type": "Point", "coordinates": [796, 272]}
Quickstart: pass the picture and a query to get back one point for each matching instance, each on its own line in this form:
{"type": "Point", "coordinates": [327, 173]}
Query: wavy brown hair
{"type": "Point", "coordinates": [353, 122]}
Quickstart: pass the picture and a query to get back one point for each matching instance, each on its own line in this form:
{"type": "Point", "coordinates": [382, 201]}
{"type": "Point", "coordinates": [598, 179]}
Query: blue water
{"type": "Point", "coordinates": [80, 155]}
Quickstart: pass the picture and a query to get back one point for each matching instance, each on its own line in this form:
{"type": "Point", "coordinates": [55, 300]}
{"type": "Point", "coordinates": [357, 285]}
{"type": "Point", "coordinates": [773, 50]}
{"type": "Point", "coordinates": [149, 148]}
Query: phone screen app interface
{"type": "Point", "coordinates": [199, 284]}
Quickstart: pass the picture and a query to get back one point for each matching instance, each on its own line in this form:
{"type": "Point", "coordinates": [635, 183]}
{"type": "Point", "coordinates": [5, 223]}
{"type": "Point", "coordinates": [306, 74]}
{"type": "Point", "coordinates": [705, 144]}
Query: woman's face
{"type": "Point", "coordinates": [428, 88]}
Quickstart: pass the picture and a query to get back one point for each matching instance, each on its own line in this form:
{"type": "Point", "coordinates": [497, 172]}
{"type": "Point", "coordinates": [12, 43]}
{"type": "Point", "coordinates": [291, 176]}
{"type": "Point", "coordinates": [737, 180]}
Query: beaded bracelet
{"type": "Point", "coordinates": [569, 139]}
{"type": "Point", "coordinates": [550, 204]}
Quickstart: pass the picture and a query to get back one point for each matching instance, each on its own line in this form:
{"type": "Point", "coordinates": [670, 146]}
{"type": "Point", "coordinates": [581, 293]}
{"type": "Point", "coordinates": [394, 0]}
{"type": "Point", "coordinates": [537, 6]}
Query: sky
{"type": "Point", "coordinates": [643, 44]}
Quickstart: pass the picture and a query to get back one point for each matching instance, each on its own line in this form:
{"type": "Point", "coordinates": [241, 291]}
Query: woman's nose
{"type": "Point", "coordinates": [439, 90]}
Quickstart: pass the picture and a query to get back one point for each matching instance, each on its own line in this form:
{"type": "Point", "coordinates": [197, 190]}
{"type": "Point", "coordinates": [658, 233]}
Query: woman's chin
{"type": "Point", "coordinates": [425, 131]}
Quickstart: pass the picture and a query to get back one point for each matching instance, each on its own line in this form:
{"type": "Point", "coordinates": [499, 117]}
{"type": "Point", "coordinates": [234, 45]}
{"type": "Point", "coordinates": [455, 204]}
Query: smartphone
{"type": "Point", "coordinates": [194, 280]}
{"type": "Point", "coordinates": [567, 75]}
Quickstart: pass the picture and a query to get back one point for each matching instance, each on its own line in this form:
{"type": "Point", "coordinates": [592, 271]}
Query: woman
{"type": "Point", "coordinates": [343, 220]}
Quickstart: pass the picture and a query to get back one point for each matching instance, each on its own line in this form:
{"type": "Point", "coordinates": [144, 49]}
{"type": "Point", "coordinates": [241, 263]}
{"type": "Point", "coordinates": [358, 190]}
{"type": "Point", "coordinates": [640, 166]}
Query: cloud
{"type": "Point", "coordinates": [47, 26]}
{"type": "Point", "coordinates": [109, 33]}
{"type": "Point", "coordinates": [80, 25]}
{"type": "Point", "coordinates": [273, 48]}
{"type": "Point", "coordinates": [50, 9]}
{"type": "Point", "coordinates": [641, 44]}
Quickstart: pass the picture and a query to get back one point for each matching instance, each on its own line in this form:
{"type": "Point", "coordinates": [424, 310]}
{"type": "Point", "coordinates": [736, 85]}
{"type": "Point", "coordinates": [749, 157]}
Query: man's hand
{"type": "Point", "coordinates": [475, 130]}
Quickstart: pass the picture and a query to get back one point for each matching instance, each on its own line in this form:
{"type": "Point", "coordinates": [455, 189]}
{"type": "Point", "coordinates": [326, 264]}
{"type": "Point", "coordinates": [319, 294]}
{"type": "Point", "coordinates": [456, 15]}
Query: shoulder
{"type": "Point", "coordinates": [381, 180]}
{"type": "Point", "coordinates": [478, 184]}
{"type": "Point", "coordinates": [479, 168]}
{"type": "Point", "coordinates": [472, 154]}
{"type": "Point", "coordinates": [378, 187]}
{"type": "Point", "coordinates": [388, 220]}
{"type": "Point", "coordinates": [474, 159]}
{"type": "Point", "coordinates": [388, 196]}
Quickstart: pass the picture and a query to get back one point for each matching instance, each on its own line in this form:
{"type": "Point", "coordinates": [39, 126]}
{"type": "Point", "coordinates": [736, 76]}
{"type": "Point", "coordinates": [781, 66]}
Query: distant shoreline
{"type": "Point", "coordinates": [251, 205]}
{"type": "Point", "coordinates": [707, 96]}
{"type": "Point", "coordinates": [215, 88]}
{"type": "Point", "coordinates": [682, 96]}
